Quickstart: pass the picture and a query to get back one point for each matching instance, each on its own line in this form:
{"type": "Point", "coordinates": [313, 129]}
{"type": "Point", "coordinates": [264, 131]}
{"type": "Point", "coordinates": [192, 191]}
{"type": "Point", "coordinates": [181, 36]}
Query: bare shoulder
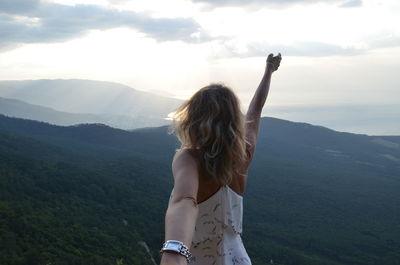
{"type": "Point", "coordinates": [184, 155]}
{"type": "Point", "coordinates": [184, 158]}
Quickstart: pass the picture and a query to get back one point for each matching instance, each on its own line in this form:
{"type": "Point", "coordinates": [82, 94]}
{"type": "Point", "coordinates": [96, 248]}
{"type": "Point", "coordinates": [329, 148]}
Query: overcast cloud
{"type": "Point", "coordinates": [259, 3]}
{"type": "Point", "coordinates": [18, 6]}
{"type": "Point", "coordinates": [45, 22]}
{"type": "Point", "coordinates": [32, 21]}
{"type": "Point", "coordinates": [314, 48]}
{"type": "Point", "coordinates": [300, 48]}
{"type": "Point", "coordinates": [351, 3]}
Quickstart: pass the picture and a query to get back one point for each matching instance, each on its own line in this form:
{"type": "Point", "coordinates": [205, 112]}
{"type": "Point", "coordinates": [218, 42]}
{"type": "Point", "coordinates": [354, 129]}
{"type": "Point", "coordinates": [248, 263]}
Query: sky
{"type": "Point", "coordinates": [340, 66]}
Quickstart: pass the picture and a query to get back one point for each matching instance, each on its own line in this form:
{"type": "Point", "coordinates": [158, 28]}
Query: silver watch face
{"type": "Point", "coordinates": [175, 246]}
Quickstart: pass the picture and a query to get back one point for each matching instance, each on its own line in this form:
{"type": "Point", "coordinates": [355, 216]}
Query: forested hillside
{"type": "Point", "coordinates": [92, 194]}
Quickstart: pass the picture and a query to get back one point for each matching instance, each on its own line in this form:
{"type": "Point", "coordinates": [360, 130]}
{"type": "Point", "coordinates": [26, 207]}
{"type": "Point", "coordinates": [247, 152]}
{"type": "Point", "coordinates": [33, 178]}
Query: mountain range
{"type": "Point", "coordinates": [74, 101]}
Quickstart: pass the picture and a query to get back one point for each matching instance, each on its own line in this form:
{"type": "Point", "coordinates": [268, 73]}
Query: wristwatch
{"type": "Point", "coordinates": [178, 247]}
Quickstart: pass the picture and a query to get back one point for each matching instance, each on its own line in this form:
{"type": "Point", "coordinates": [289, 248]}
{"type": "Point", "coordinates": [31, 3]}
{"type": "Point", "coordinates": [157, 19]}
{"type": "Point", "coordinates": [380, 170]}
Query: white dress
{"type": "Point", "coordinates": [216, 239]}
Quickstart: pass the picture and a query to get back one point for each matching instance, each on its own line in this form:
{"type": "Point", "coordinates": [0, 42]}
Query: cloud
{"type": "Point", "coordinates": [32, 22]}
{"type": "Point", "coordinates": [385, 42]}
{"type": "Point", "coordinates": [313, 48]}
{"type": "Point", "coordinates": [18, 6]}
{"type": "Point", "coordinates": [117, 2]}
{"type": "Point", "coordinates": [352, 3]}
{"type": "Point", "coordinates": [299, 48]}
{"type": "Point", "coordinates": [278, 3]}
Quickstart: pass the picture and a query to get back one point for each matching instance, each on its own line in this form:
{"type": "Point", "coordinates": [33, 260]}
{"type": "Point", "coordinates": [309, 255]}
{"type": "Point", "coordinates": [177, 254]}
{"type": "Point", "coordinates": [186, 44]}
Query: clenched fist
{"type": "Point", "coordinates": [274, 61]}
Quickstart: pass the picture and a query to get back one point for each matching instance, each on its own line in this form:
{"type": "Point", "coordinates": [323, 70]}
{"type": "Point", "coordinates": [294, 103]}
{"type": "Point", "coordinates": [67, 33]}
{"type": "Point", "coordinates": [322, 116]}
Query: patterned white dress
{"type": "Point", "coordinates": [217, 239]}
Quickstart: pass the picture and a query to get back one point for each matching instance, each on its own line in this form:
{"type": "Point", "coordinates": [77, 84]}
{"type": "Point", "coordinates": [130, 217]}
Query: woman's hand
{"type": "Point", "coordinates": [273, 62]}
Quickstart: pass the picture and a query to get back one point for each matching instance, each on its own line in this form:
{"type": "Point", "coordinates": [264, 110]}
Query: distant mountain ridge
{"type": "Point", "coordinates": [20, 109]}
{"type": "Point", "coordinates": [111, 103]}
{"type": "Point", "coordinates": [281, 136]}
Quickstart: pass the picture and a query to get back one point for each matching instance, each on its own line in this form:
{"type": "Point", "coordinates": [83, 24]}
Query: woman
{"type": "Point", "coordinates": [203, 221]}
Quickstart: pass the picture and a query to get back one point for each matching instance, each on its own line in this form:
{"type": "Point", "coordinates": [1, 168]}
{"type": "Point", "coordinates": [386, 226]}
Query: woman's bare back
{"type": "Point", "coordinates": [208, 187]}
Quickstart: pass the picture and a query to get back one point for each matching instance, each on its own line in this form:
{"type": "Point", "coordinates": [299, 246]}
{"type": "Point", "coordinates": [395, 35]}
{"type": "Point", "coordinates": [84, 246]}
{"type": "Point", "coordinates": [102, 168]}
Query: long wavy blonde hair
{"type": "Point", "coordinates": [211, 121]}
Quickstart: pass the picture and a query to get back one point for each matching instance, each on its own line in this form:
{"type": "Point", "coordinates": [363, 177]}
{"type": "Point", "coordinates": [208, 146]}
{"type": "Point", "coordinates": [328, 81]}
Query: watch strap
{"type": "Point", "coordinates": [183, 249]}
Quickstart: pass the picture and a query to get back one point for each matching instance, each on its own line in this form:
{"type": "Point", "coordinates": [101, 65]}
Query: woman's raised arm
{"type": "Point", "coordinates": [257, 103]}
